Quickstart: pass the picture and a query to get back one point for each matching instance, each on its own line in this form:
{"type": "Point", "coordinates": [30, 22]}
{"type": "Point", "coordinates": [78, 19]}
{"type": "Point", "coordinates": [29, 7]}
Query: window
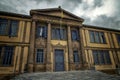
{"type": "Point", "coordinates": [8, 27]}
{"type": "Point", "coordinates": [13, 28]}
{"type": "Point", "coordinates": [0, 52]}
{"type": "Point", "coordinates": [75, 35]}
{"type": "Point", "coordinates": [97, 37]}
{"type": "Point", "coordinates": [58, 34]}
{"type": "Point", "coordinates": [101, 57]}
{"type": "Point", "coordinates": [118, 38]}
{"type": "Point", "coordinates": [42, 31]}
{"type": "Point", "coordinates": [3, 26]}
{"type": "Point", "coordinates": [6, 55]}
{"type": "Point", "coordinates": [75, 56]}
{"type": "Point", "coordinates": [39, 56]}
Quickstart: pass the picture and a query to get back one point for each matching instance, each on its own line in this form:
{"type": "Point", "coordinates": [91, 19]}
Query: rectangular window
{"type": "Point", "coordinates": [102, 37]}
{"type": "Point", "coordinates": [58, 33]}
{"type": "Point", "coordinates": [8, 27]}
{"type": "Point", "coordinates": [42, 31]}
{"type": "Point", "coordinates": [3, 26]}
{"type": "Point", "coordinates": [118, 38]}
{"type": "Point", "coordinates": [95, 56]}
{"type": "Point", "coordinates": [97, 37]}
{"type": "Point", "coordinates": [91, 36]}
{"type": "Point", "coordinates": [39, 56]}
{"type": "Point", "coordinates": [101, 57]}
{"type": "Point", "coordinates": [107, 56]}
{"type": "Point", "coordinates": [0, 52]}
{"type": "Point", "coordinates": [75, 56]}
{"type": "Point", "coordinates": [75, 35]}
{"type": "Point", "coordinates": [7, 56]}
{"type": "Point", "coordinates": [13, 28]}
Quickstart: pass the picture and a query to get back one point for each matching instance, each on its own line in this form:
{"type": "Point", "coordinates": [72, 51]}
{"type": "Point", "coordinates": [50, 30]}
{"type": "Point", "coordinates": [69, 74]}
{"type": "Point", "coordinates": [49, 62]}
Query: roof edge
{"type": "Point", "coordinates": [59, 8]}
{"type": "Point", "coordinates": [14, 14]}
{"type": "Point", "coordinates": [99, 27]}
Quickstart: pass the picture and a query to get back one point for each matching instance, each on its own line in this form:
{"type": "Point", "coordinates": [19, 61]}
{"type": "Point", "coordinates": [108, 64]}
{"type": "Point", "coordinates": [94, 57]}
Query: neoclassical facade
{"type": "Point", "coordinates": [54, 39]}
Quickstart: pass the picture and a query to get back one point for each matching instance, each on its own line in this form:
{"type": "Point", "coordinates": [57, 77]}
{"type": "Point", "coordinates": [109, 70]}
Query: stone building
{"type": "Point", "coordinates": [54, 39]}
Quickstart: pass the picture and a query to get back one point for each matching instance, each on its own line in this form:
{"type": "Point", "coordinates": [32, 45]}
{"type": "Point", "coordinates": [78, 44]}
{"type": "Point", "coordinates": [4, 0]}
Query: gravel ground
{"type": "Point", "coordinates": [70, 75]}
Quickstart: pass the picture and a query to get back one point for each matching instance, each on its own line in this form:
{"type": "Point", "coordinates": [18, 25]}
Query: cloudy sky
{"type": "Point", "coordinates": [105, 13]}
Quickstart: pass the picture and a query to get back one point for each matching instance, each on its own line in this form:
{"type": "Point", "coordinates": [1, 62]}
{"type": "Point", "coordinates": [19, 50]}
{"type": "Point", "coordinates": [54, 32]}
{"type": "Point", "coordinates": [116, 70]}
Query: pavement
{"type": "Point", "coordinates": [67, 75]}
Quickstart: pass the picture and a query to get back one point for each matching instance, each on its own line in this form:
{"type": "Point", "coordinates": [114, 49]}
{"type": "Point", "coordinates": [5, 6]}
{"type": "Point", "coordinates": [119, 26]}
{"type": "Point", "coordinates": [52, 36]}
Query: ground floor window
{"type": "Point", "coordinates": [6, 55]}
{"type": "Point", "coordinates": [101, 57]}
{"type": "Point", "coordinates": [75, 56]}
{"type": "Point", "coordinates": [39, 56]}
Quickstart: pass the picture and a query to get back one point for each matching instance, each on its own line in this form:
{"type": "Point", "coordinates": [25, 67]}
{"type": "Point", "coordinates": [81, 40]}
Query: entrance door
{"type": "Point", "coordinates": [59, 60]}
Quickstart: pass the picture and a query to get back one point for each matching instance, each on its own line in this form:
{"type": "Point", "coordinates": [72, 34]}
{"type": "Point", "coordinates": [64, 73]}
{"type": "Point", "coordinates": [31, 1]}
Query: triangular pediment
{"type": "Point", "coordinates": [57, 12]}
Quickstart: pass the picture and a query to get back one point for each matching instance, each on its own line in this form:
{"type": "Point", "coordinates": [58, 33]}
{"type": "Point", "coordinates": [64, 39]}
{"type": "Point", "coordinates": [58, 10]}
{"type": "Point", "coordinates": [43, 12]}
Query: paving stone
{"type": "Point", "coordinates": [68, 75]}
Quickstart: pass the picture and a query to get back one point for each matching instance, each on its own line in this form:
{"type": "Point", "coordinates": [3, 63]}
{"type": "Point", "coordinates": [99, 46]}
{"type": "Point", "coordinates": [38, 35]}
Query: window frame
{"type": "Point", "coordinates": [118, 38]}
{"type": "Point", "coordinates": [57, 33]}
{"type": "Point", "coordinates": [76, 56]}
{"type": "Point", "coordinates": [8, 23]}
{"type": "Point", "coordinates": [101, 55]}
{"type": "Point", "coordinates": [76, 33]}
{"type": "Point", "coordinates": [2, 56]}
{"type": "Point", "coordinates": [97, 38]}
{"type": "Point", "coordinates": [44, 31]}
{"type": "Point", "coordinates": [36, 56]}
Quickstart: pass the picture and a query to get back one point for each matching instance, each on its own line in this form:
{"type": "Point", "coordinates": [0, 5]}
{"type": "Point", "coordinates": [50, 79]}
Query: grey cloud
{"type": "Point", "coordinates": [98, 3]}
{"type": "Point", "coordinates": [23, 6]}
{"type": "Point", "coordinates": [109, 22]}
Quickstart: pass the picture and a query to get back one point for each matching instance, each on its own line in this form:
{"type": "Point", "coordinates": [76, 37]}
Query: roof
{"type": "Point", "coordinates": [14, 14]}
{"type": "Point", "coordinates": [55, 9]}
{"type": "Point", "coordinates": [98, 27]}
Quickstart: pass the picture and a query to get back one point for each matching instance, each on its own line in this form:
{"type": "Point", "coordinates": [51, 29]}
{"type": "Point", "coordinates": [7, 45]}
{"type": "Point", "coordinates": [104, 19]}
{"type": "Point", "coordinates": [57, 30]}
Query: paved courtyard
{"type": "Point", "coordinates": [70, 75]}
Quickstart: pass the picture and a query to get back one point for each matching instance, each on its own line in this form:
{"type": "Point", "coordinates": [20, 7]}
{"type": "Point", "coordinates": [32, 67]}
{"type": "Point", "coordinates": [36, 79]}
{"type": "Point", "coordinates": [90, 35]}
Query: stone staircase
{"type": "Point", "coordinates": [69, 75]}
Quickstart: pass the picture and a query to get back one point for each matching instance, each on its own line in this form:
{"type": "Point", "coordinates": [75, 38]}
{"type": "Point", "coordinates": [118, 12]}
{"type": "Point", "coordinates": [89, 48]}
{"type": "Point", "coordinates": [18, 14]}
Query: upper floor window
{"type": "Point", "coordinates": [101, 57]}
{"type": "Point", "coordinates": [75, 56]}
{"type": "Point", "coordinates": [9, 27]}
{"type": "Point", "coordinates": [42, 31]}
{"type": "Point", "coordinates": [39, 56]}
{"type": "Point", "coordinates": [74, 35]}
{"type": "Point", "coordinates": [6, 55]}
{"type": "Point", "coordinates": [3, 26]}
{"type": "Point", "coordinates": [118, 38]}
{"type": "Point", "coordinates": [58, 33]}
{"type": "Point", "coordinates": [97, 37]}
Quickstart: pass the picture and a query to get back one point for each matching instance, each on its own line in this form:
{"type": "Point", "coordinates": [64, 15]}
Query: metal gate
{"type": "Point", "coordinates": [59, 60]}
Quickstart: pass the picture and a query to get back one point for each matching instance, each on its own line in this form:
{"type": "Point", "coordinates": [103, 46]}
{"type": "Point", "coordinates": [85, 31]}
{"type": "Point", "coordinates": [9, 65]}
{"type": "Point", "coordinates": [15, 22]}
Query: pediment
{"type": "Point", "coordinates": [57, 12]}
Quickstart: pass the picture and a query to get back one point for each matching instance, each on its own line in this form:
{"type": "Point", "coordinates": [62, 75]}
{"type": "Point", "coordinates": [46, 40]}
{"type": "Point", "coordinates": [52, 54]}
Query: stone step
{"type": "Point", "coordinates": [69, 75]}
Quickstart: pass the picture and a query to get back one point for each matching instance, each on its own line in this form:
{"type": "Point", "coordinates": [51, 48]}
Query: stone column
{"type": "Point", "coordinates": [83, 58]}
{"type": "Point", "coordinates": [70, 51]}
{"type": "Point", "coordinates": [48, 62]}
{"type": "Point", "coordinates": [32, 43]}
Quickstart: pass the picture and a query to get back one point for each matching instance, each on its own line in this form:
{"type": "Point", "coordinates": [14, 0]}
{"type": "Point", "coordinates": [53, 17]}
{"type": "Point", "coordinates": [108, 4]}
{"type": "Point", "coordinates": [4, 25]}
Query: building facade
{"type": "Point", "coordinates": [54, 39]}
